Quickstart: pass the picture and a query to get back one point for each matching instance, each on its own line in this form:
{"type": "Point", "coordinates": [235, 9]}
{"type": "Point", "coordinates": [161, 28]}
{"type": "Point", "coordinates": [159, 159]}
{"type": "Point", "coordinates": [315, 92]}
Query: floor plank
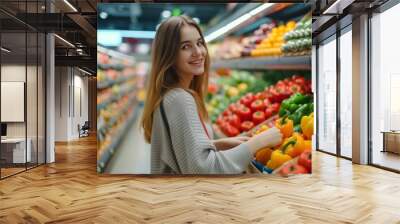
{"type": "Point", "coordinates": [71, 191]}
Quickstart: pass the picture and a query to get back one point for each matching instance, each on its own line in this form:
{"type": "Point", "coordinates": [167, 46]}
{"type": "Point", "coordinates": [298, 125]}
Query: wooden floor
{"type": "Point", "coordinates": [70, 191]}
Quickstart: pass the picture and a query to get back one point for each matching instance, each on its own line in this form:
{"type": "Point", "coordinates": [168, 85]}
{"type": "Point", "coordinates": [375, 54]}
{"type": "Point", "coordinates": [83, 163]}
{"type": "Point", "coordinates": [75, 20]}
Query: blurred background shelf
{"type": "Point", "coordinates": [260, 63]}
{"type": "Point", "coordinates": [110, 83]}
{"type": "Point", "coordinates": [103, 127]}
{"type": "Point", "coordinates": [105, 154]}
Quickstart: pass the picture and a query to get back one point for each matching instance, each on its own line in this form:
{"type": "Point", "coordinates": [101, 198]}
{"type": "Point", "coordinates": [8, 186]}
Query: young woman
{"type": "Point", "coordinates": [174, 117]}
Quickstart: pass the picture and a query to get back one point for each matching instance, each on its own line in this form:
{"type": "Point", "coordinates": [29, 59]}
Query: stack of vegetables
{"type": "Point", "coordinates": [295, 147]}
{"type": "Point", "coordinates": [252, 109]}
{"type": "Point", "coordinates": [229, 89]}
{"type": "Point", "coordinates": [271, 45]}
{"type": "Point", "coordinates": [299, 40]}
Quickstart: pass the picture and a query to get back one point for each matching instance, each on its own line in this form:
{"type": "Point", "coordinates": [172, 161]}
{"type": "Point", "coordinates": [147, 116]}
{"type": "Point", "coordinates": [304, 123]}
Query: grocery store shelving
{"type": "Point", "coordinates": [108, 66]}
{"type": "Point", "coordinates": [105, 154]}
{"type": "Point", "coordinates": [119, 101]}
{"type": "Point", "coordinates": [103, 127]}
{"type": "Point", "coordinates": [275, 63]}
{"type": "Point", "coordinates": [107, 84]}
{"type": "Point", "coordinates": [113, 98]}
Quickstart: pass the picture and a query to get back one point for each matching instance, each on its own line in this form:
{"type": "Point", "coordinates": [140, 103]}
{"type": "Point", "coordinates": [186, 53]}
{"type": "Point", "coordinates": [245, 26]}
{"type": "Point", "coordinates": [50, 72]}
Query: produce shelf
{"type": "Point", "coordinates": [117, 67]}
{"type": "Point", "coordinates": [273, 63]}
{"type": "Point", "coordinates": [106, 153]}
{"type": "Point", "coordinates": [104, 127]}
{"type": "Point", "coordinates": [113, 98]}
{"type": "Point", "coordinates": [269, 122]}
{"type": "Point", "coordinates": [108, 84]}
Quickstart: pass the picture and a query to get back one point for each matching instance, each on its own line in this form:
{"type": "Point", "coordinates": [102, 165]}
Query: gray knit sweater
{"type": "Point", "coordinates": [195, 153]}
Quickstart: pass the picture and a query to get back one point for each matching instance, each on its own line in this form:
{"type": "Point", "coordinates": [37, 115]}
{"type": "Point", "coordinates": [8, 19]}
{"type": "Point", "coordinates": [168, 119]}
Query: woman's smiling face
{"type": "Point", "coordinates": [192, 52]}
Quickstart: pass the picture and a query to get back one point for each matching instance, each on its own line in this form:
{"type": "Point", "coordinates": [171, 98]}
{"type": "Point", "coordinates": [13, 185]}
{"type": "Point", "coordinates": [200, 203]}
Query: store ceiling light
{"type": "Point", "coordinates": [214, 35]}
{"type": "Point", "coordinates": [70, 5]}
{"type": "Point", "coordinates": [103, 15]}
{"type": "Point", "coordinates": [138, 34]}
{"type": "Point", "coordinates": [166, 14]}
{"type": "Point", "coordinates": [64, 40]}
{"type": "Point", "coordinates": [5, 50]}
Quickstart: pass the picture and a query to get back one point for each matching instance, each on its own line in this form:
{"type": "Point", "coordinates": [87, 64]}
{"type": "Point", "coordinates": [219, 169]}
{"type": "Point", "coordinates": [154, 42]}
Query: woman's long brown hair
{"type": "Point", "coordinates": [163, 75]}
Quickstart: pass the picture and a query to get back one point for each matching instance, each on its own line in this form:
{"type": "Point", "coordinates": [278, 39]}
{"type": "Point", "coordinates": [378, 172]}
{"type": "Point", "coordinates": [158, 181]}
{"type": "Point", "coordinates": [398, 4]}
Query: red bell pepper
{"type": "Point", "coordinates": [258, 117]}
{"type": "Point", "coordinates": [257, 105]}
{"type": "Point", "coordinates": [244, 113]}
{"type": "Point", "coordinates": [290, 168]}
{"type": "Point", "coordinates": [305, 160]}
{"type": "Point", "coordinates": [246, 125]}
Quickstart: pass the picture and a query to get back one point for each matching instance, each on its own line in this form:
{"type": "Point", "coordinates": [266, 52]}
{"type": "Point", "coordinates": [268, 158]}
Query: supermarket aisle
{"type": "Point", "coordinates": [133, 155]}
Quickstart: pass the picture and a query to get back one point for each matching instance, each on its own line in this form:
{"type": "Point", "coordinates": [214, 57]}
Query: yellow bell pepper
{"type": "Point", "coordinates": [277, 159]}
{"type": "Point", "coordinates": [307, 125]}
{"type": "Point", "coordinates": [263, 155]}
{"type": "Point", "coordinates": [307, 145]}
{"type": "Point", "coordinates": [294, 145]}
{"type": "Point", "coordinates": [286, 126]}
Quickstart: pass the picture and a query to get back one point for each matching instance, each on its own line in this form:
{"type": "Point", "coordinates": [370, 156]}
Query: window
{"type": "Point", "coordinates": [346, 95]}
{"type": "Point", "coordinates": [327, 96]}
{"type": "Point", "coordinates": [385, 88]}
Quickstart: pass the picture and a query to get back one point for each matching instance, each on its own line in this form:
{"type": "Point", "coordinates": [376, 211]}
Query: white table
{"type": "Point", "coordinates": [18, 149]}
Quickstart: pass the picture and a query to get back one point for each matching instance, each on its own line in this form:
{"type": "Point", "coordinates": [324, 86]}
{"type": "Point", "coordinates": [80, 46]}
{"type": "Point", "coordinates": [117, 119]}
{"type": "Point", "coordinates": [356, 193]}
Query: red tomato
{"type": "Point", "coordinates": [246, 101]}
{"type": "Point", "coordinates": [227, 112]}
{"type": "Point", "coordinates": [259, 96]}
{"type": "Point", "coordinates": [233, 107]}
{"type": "Point", "coordinates": [267, 103]}
{"type": "Point", "coordinates": [268, 112]}
{"type": "Point", "coordinates": [246, 126]}
{"type": "Point", "coordinates": [234, 120]}
{"type": "Point", "coordinates": [257, 105]}
{"type": "Point", "coordinates": [295, 88]}
{"type": "Point", "coordinates": [244, 113]}
{"type": "Point", "coordinates": [258, 117]}
{"type": "Point", "coordinates": [275, 107]}
{"type": "Point", "coordinates": [231, 131]}
{"type": "Point", "coordinates": [219, 120]}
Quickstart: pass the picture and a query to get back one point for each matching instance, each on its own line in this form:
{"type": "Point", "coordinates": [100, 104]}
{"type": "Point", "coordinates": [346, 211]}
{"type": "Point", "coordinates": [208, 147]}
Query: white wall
{"type": "Point", "coordinates": [12, 73]}
{"type": "Point", "coordinates": [61, 103]}
{"type": "Point", "coordinates": [69, 85]}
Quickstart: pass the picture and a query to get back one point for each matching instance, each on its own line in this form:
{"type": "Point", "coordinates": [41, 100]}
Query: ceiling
{"type": "Point", "coordinates": [75, 23]}
{"type": "Point", "coordinates": [147, 16]}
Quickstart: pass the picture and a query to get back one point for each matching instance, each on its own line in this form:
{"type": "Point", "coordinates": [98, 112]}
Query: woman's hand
{"type": "Point", "coordinates": [228, 143]}
{"type": "Point", "coordinates": [268, 138]}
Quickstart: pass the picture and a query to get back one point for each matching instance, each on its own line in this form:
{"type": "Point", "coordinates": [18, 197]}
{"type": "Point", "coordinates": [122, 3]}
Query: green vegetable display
{"type": "Point", "coordinates": [295, 107]}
